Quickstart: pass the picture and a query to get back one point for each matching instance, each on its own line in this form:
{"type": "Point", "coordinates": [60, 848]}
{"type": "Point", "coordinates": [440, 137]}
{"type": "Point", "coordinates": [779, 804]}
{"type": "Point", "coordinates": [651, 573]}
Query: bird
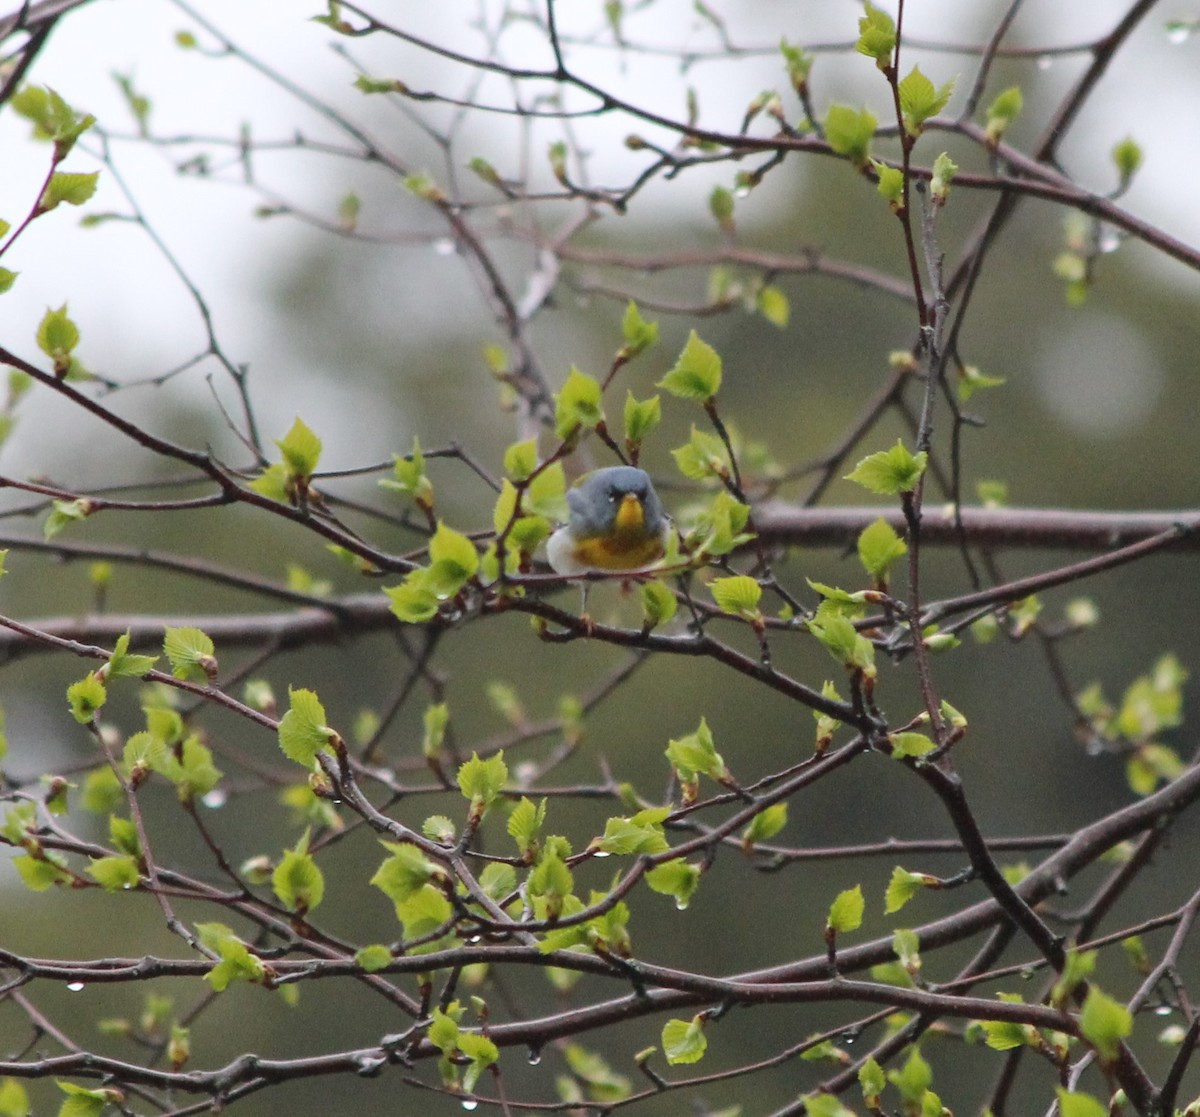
{"type": "Point", "coordinates": [616, 525]}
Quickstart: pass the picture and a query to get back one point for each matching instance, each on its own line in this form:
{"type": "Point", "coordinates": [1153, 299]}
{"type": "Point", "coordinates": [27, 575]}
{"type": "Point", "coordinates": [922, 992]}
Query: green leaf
{"type": "Point", "coordinates": [695, 755]}
{"type": "Point", "coordinates": [697, 372]}
{"type": "Point", "coordinates": [190, 653]}
{"type": "Point", "coordinates": [481, 1051]}
{"type": "Point", "coordinates": [641, 834]}
{"type": "Point", "coordinates": [846, 911]}
{"type": "Point", "coordinates": [903, 886]}
{"type": "Point", "coordinates": [1127, 155]}
{"type": "Point", "coordinates": [481, 781]}
{"type": "Point", "coordinates": [85, 698]}
{"type": "Point", "coordinates": [639, 334]}
{"type": "Point", "coordinates": [115, 874]}
{"type": "Point", "coordinates": [944, 170]}
{"type": "Point", "coordinates": [919, 100]}
{"type": "Point", "coordinates": [547, 493]}
{"type": "Point", "coordinates": [404, 874]}
{"type": "Point", "coordinates": [872, 1080]}
{"type": "Point", "coordinates": [525, 824]}
{"type": "Point", "coordinates": [773, 305]}
{"type": "Point", "coordinates": [348, 210]}
{"type": "Point", "coordinates": [453, 561]}
{"type": "Point", "coordinates": [237, 963]}
{"type": "Point", "coordinates": [374, 958]}
{"type": "Point", "coordinates": [765, 825]}
{"type": "Point", "coordinates": [702, 457]}
{"type": "Point", "coordinates": [825, 1105]}
{"type": "Point", "coordinates": [435, 720]}
{"type": "Point", "coordinates": [7, 278]}
{"type": "Point", "coordinates": [82, 1102]}
{"type": "Point", "coordinates": [841, 640]}
{"type": "Point", "coordinates": [57, 336]}
{"type": "Point", "coordinates": [658, 603]}
{"type": "Point", "coordinates": [1003, 111]}
{"type": "Point", "coordinates": [971, 380]}
{"type": "Point", "coordinates": [910, 745]}
{"type": "Point", "coordinates": [799, 65]}
{"type": "Point", "coordinates": [720, 205]}
{"type": "Point", "coordinates": [641, 417]}
{"type": "Point", "coordinates": [52, 117]}
{"type": "Point", "coordinates": [914, 1078]}
{"type": "Point", "coordinates": [879, 545]}
{"type": "Point", "coordinates": [192, 772]}
{"type": "Point", "coordinates": [1079, 967]}
{"type": "Point", "coordinates": [14, 1101]}
{"type": "Point", "coordinates": [101, 792]}
{"type": "Point", "coordinates": [297, 880]}
{"type": "Point", "coordinates": [906, 945]}
{"type": "Point", "coordinates": [498, 880]}
{"type": "Point", "coordinates": [604, 1085]}
{"type": "Point", "coordinates": [738, 595]}
{"type": "Point", "coordinates": [578, 404]}
{"type": "Point", "coordinates": [408, 476]}
{"type": "Point", "coordinates": [719, 529]}
{"type": "Point", "coordinates": [683, 1040]}
{"type": "Point", "coordinates": [521, 459]}
{"type": "Point", "coordinates": [412, 602]}
{"type": "Point", "coordinates": [891, 184]}
{"type": "Point", "coordinates": [74, 189]}
{"type": "Point", "coordinates": [849, 133]}
{"type": "Point", "coordinates": [890, 471]}
{"type": "Point", "coordinates": [876, 36]}
{"type": "Point", "coordinates": [302, 730]}
{"type": "Point", "coordinates": [1104, 1022]}
{"type": "Point", "coordinates": [1072, 1104]}
{"type": "Point", "coordinates": [123, 665]}
{"type": "Point", "coordinates": [301, 450]}
{"type": "Point", "coordinates": [66, 512]}
{"type": "Point", "coordinates": [41, 873]}
{"type": "Point", "coordinates": [675, 878]}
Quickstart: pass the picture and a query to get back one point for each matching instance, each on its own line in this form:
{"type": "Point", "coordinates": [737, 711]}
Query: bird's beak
{"type": "Point", "coordinates": [631, 515]}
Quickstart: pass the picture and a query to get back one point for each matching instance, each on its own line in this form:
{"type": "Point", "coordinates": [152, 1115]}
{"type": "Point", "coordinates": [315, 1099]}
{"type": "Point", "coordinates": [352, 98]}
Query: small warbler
{"type": "Point", "coordinates": [617, 524]}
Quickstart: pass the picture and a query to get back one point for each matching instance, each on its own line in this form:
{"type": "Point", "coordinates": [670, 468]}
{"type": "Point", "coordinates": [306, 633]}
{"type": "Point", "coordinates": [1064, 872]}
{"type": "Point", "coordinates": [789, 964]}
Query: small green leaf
{"type": "Point", "coordinates": [903, 886]}
{"type": "Point", "coordinates": [302, 730]}
{"type": "Point", "coordinates": [413, 602]}
{"type": "Point", "coordinates": [876, 36]}
{"type": "Point", "coordinates": [683, 1040]}
{"type": "Point", "coordinates": [971, 380]}
{"type": "Point", "coordinates": [890, 471]}
{"type": "Point", "coordinates": [453, 562]}
{"type": "Point", "coordinates": [39, 874]}
{"type": "Point", "coordinates": [481, 781]}
{"type": "Point", "coordinates": [1003, 111]}
{"type": "Point", "coordinates": [85, 698]}
{"type": "Point", "coordinates": [121, 664]}
{"type": "Point", "coordinates": [872, 1080]}
{"type": "Point", "coordinates": [435, 719]}
{"type": "Point", "coordinates": [525, 824]}
{"type": "Point", "coordinates": [773, 305]}
{"type": "Point", "coordinates": [702, 457]}
{"type": "Point", "coordinates": [1127, 155]}
{"type": "Point", "coordinates": [7, 278]}
{"type": "Point", "coordinates": [841, 640]}
{"type": "Point", "coordinates": [1104, 1022]}
{"type": "Point", "coordinates": [408, 476]}
{"type": "Point", "coordinates": [641, 417]}
{"type": "Point", "coordinates": [190, 653]}
{"type": "Point", "coordinates": [374, 958]}
{"type": "Point", "coordinates": [919, 100]}
{"type": "Point", "coordinates": [404, 874]}
{"type": "Point", "coordinates": [57, 336]}
{"type": "Point", "coordinates": [658, 604]}
{"type": "Point", "coordinates": [765, 825]}
{"type": "Point", "coordinates": [639, 334]}
{"type": "Point", "coordinates": [697, 372]}
{"type": "Point", "coordinates": [825, 1105]}
{"type": "Point", "coordinates": [675, 878]}
{"type": "Point", "coordinates": [578, 405]}
{"type": "Point", "coordinates": [14, 1101]}
{"type": "Point", "coordinates": [738, 595]}
{"type": "Point", "coordinates": [521, 459]}
{"type": "Point", "coordinates": [301, 450]}
{"type": "Point", "coordinates": [64, 512]}
{"type": "Point", "coordinates": [891, 184]}
{"type": "Point", "coordinates": [944, 170]}
{"type": "Point", "coordinates": [547, 494]}
{"type": "Point", "coordinates": [1072, 1104]}
{"type": "Point", "coordinates": [849, 133]}
{"type": "Point", "coordinates": [910, 745]}
{"type": "Point", "coordinates": [74, 189]}
{"type": "Point", "coordinates": [846, 912]}
{"type": "Point", "coordinates": [695, 755]}
{"type": "Point", "coordinates": [720, 205]}
{"type": "Point", "coordinates": [115, 874]}
{"type": "Point", "coordinates": [799, 65]}
{"type": "Point", "coordinates": [297, 880]}
{"type": "Point", "coordinates": [879, 545]}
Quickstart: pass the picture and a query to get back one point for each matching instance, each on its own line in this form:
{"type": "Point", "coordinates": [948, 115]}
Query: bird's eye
{"type": "Point", "coordinates": [612, 495]}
